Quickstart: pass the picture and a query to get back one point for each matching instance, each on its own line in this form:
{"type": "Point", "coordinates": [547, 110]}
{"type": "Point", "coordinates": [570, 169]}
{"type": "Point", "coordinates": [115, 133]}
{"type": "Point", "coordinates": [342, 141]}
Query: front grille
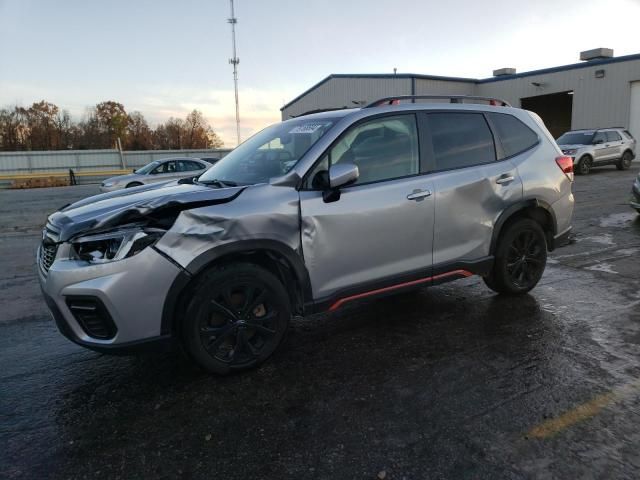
{"type": "Point", "coordinates": [47, 256]}
{"type": "Point", "coordinates": [92, 316]}
{"type": "Point", "coordinates": [49, 248]}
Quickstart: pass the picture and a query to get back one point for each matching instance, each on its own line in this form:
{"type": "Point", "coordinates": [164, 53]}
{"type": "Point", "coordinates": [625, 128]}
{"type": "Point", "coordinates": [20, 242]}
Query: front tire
{"type": "Point", "coordinates": [236, 318]}
{"type": "Point", "coordinates": [520, 258]}
{"type": "Point", "coordinates": [625, 162]}
{"type": "Point", "coordinates": [133, 184]}
{"type": "Point", "coordinates": [584, 165]}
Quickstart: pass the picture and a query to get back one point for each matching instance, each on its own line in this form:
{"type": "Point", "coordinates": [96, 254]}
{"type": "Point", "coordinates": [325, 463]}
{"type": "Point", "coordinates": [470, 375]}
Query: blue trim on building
{"type": "Point", "coordinates": [413, 76]}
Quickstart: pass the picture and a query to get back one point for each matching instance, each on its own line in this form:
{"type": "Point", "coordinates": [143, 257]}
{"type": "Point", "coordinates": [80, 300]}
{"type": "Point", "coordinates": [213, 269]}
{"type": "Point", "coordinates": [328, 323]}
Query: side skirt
{"type": "Point", "coordinates": [433, 276]}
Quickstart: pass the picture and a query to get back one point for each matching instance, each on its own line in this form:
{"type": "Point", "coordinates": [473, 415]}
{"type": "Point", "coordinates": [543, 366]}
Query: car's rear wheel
{"type": "Point", "coordinates": [520, 258]}
{"type": "Point", "coordinates": [236, 318]}
{"type": "Point", "coordinates": [625, 162]}
{"type": "Point", "coordinates": [584, 165]}
{"type": "Point", "coordinates": [133, 184]}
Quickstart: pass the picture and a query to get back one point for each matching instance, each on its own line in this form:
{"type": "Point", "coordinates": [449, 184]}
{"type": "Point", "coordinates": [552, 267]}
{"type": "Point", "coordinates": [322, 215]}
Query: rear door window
{"type": "Point", "coordinates": [460, 140]}
{"type": "Point", "coordinates": [514, 135]}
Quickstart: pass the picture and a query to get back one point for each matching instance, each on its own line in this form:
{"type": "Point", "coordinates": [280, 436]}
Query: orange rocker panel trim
{"type": "Point", "coordinates": [342, 301]}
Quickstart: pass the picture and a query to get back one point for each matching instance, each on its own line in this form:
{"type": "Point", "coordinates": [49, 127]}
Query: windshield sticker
{"type": "Point", "coordinates": [308, 127]}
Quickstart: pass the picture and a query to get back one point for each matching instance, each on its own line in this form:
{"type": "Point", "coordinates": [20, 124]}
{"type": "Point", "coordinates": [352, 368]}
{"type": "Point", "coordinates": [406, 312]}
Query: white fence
{"type": "Point", "coordinates": [81, 161]}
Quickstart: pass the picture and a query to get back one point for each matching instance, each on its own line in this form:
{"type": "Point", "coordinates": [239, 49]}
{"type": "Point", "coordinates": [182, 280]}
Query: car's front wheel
{"type": "Point", "coordinates": [584, 165]}
{"type": "Point", "coordinates": [520, 258]}
{"type": "Point", "coordinates": [133, 184]}
{"type": "Point", "coordinates": [236, 317]}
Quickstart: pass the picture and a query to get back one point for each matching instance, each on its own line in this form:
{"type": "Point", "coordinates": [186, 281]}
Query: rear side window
{"type": "Point", "coordinates": [628, 134]}
{"type": "Point", "coordinates": [460, 140]}
{"type": "Point", "coordinates": [613, 136]}
{"type": "Point", "coordinates": [514, 135]}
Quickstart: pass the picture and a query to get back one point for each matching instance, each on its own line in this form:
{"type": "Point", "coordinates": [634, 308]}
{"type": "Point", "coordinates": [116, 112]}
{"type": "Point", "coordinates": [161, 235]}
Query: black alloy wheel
{"type": "Point", "coordinates": [520, 258]}
{"type": "Point", "coordinates": [525, 259]}
{"type": "Point", "coordinates": [236, 319]}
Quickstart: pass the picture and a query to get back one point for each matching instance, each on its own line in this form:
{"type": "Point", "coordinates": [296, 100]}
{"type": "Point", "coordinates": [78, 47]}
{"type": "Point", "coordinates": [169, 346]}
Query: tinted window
{"type": "Point", "coordinates": [576, 138]}
{"type": "Point", "coordinates": [383, 149]}
{"type": "Point", "coordinates": [514, 135]}
{"type": "Point", "coordinates": [188, 166]}
{"type": "Point", "coordinates": [460, 140]}
{"type": "Point", "coordinates": [599, 137]}
{"type": "Point", "coordinates": [613, 137]}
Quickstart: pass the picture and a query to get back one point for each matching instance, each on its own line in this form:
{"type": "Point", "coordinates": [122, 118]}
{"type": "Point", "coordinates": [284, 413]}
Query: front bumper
{"type": "Point", "coordinates": [112, 188]}
{"type": "Point", "coordinates": [131, 293]}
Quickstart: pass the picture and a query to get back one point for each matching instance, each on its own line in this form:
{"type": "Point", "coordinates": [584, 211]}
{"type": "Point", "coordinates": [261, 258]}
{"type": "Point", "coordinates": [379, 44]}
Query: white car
{"type": "Point", "coordinates": [157, 171]}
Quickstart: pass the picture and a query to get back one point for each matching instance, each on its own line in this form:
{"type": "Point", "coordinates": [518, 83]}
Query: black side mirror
{"type": "Point", "coordinates": [598, 141]}
{"type": "Point", "coordinates": [340, 175]}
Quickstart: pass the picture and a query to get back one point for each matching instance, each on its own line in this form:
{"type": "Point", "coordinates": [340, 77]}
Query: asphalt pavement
{"type": "Point", "coordinates": [449, 382]}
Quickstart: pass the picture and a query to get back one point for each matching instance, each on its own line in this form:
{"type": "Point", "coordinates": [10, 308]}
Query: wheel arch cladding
{"type": "Point", "coordinates": [274, 256]}
{"type": "Point", "coordinates": [533, 209]}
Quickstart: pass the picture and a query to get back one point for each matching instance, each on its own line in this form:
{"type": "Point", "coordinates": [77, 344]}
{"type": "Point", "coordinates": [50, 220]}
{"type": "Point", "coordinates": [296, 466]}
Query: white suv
{"type": "Point", "coordinates": [596, 148]}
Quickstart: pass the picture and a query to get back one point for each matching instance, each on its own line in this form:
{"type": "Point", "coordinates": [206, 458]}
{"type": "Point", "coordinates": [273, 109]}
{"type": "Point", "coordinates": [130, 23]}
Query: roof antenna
{"type": "Point", "coordinates": [395, 70]}
{"type": "Point", "coordinates": [235, 61]}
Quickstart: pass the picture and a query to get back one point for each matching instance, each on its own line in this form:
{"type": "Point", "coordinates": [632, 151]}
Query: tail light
{"type": "Point", "coordinates": [566, 165]}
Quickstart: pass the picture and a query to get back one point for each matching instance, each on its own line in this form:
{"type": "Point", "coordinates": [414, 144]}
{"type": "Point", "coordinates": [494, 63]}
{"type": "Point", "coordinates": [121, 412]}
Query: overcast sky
{"type": "Point", "coordinates": [166, 57]}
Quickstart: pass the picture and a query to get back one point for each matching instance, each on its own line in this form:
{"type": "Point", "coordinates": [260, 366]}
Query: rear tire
{"type": "Point", "coordinates": [625, 162]}
{"type": "Point", "coordinates": [133, 184]}
{"type": "Point", "coordinates": [236, 318]}
{"type": "Point", "coordinates": [520, 259]}
{"type": "Point", "coordinates": [584, 165]}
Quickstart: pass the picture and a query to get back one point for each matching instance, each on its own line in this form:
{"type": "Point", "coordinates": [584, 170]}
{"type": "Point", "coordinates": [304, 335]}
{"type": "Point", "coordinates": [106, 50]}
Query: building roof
{"type": "Point", "coordinates": [591, 63]}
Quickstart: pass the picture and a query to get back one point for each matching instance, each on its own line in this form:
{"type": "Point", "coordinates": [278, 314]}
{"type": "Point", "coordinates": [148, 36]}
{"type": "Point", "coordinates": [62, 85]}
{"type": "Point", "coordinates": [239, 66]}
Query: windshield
{"type": "Point", "coordinates": [147, 168]}
{"type": "Point", "coordinates": [269, 153]}
{"type": "Point", "coordinates": [576, 138]}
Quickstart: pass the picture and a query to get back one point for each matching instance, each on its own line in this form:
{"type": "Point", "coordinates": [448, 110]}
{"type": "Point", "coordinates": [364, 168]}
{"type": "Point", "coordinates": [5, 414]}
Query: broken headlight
{"type": "Point", "coordinates": [114, 245]}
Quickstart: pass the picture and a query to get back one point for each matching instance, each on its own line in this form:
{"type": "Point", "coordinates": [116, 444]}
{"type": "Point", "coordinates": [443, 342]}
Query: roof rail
{"type": "Point", "coordinates": [451, 98]}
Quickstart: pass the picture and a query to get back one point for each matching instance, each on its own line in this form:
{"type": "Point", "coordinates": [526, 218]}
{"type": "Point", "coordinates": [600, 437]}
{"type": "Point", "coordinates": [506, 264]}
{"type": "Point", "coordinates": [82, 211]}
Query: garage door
{"type": "Point", "coordinates": [634, 114]}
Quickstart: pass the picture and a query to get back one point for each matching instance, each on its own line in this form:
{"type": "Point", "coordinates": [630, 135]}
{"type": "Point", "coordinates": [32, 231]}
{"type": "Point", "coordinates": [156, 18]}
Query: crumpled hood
{"type": "Point", "coordinates": [135, 204]}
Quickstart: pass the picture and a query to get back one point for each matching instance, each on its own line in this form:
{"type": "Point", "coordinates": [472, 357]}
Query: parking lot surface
{"type": "Point", "coordinates": [449, 382]}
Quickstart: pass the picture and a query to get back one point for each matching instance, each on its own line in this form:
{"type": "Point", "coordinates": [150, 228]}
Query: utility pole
{"type": "Point", "coordinates": [235, 61]}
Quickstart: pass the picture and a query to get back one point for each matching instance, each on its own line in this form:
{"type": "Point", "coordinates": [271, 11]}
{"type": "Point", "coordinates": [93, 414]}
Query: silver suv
{"type": "Point", "coordinates": [596, 148]}
{"type": "Point", "coordinates": [307, 216]}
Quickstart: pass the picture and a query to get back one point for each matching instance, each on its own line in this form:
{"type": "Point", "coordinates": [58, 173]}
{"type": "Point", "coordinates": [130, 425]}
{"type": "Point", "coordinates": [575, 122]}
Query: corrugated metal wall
{"type": "Point", "coordinates": [14, 163]}
{"type": "Point", "coordinates": [597, 102]}
{"type": "Point", "coordinates": [342, 92]}
{"type": "Point", "coordinates": [444, 87]}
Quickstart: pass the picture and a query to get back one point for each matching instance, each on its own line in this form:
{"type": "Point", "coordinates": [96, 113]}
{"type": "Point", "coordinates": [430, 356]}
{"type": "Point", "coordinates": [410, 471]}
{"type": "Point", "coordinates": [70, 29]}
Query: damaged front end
{"type": "Point", "coordinates": [103, 281]}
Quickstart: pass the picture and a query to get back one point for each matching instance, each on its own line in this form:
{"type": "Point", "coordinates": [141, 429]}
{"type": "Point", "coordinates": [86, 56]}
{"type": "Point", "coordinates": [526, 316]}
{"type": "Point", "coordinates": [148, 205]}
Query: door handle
{"type": "Point", "coordinates": [418, 194]}
{"type": "Point", "coordinates": [504, 179]}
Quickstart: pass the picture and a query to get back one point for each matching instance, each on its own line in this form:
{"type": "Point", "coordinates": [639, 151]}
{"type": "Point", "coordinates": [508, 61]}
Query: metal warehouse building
{"type": "Point", "coordinates": [601, 91]}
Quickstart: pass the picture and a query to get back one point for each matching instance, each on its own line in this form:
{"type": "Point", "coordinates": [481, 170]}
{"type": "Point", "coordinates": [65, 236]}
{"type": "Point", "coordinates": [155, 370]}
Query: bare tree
{"type": "Point", "coordinates": [44, 126]}
{"type": "Point", "coordinates": [139, 135]}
